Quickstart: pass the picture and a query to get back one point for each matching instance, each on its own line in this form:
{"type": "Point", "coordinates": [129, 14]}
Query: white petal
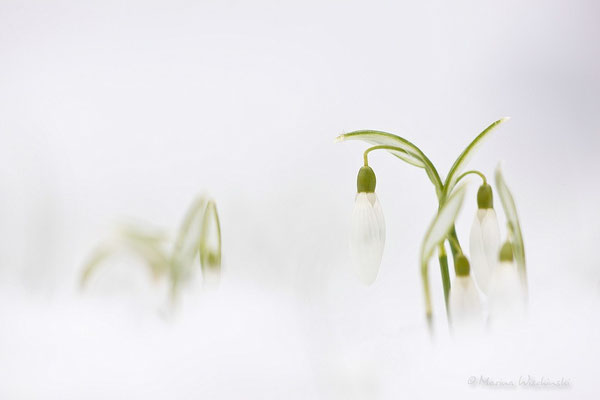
{"type": "Point", "coordinates": [490, 232]}
{"type": "Point", "coordinates": [372, 197]}
{"type": "Point", "coordinates": [367, 236]}
{"type": "Point", "coordinates": [379, 215]}
{"type": "Point", "coordinates": [479, 267]}
{"type": "Point", "coordinates": [506, 300]}
{"type": "Point", "coordinates": [484, 246]}
{"type": "Point", "coordinates": [466, 312]}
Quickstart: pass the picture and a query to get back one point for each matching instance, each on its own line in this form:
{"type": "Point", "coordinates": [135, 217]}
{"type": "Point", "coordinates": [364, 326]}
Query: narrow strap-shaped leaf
{"type": "Point", "coordinates": [514, 226]}
{"type": "Point", "coordinates": [442, 223]}
{"type": "Point", "coordinates": [149, 251]}
{"type": "Point", "coordinates": [436, 234]}
{"type": "Point", "coordinates": [466, 155]}
{"type": "Point", "coordinates": [146, 250]}
{"type": "Point", "coordinates": [135, 232]}
{"type": "Point", "coordinates": [405, 151]}
{"type": "Point", "coordinates": [409, 152]}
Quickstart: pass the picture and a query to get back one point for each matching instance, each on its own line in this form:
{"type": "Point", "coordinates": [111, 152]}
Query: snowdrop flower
{"type": "Point", "coordinates": [507, 298]}
{"type": "Point", "coordinates": [367, 237]}
{"type": "Point", "coordinates": [485, 238]}
{"type": "Point", "coordinates": [464, 304]}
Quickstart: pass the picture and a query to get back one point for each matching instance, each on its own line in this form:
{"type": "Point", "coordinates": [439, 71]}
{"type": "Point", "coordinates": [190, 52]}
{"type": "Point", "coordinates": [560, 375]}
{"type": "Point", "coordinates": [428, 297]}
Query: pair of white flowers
{"type": "Point", "coordinates": [495, 274]}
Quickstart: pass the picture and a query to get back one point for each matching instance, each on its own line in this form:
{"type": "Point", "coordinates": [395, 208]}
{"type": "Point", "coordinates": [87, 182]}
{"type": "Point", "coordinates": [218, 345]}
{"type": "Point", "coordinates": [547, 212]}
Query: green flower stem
{"type": "Point", "coordinates": [481, 175]}
{"type": "Point", "coordinates": [445, 275]}
{"type": "Point", "coordinates": [434, 176]}
{"type": "Point", "coordinates": [437, 181]}
{"type": "Point", "coordinates": [440, 190]}
{"type": "Point", "coordinates": [454, 242]}
{"type": "Point", "coordinates": [426, 292]}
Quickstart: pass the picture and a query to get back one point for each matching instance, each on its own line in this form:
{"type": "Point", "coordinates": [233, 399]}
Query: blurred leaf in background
{"type": "Point", "coordinates": [199, 235]}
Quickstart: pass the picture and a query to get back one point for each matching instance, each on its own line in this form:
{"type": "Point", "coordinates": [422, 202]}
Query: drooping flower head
{"type": "Point", "coordinates": [367, 237]}
{"type": "Point", "coordinates": [507, 299]}
{"type": "Point", "coordinates": [464, 304]}
{"type": "Point", "coordinates": [485, 238]}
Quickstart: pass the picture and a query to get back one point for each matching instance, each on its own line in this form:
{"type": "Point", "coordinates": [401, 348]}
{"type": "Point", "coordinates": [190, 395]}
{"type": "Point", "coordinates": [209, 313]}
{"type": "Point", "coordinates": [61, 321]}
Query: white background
{"type": "Point", "coordinates": [115, 110]}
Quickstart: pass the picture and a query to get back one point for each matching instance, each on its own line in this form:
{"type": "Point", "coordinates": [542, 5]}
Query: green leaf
{"type": "Point", "coordinates": [405, 151]}
{"type": "Point", "coordinates": [146, 250]}
{"type": "Point", "coordinates": [436, 234]}
{"type": "Point", "coordinates": [442, 224]}
{"type": "Point", "coordinates": [408, 152]}
{"type": "Point", "coordinates": [466, 155]}
{"type": "Point", "coordinates": [514, 227]}
{"type": "Point", "coordinates": [133, 232]}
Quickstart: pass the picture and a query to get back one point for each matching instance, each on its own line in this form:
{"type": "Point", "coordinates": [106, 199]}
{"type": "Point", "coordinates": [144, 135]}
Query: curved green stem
{"type": "Point", "coordinates": [454, 245]}
{"type": "Point", "coordinates": [445, 274]}
{"type": "Point", "coordinates": [432, 172]}
{"type": "Point", "coordinates": [441, 192]}
{"type": "Point", "coordinates": [454, 242]}
{"type": "Point", "coordinates": [474, 171]}
{"type": "Point", "coordinates": [427, 294]}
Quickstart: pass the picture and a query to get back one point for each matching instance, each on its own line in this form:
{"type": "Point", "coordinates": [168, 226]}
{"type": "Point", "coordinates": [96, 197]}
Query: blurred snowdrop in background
{"type": "Point", "coordinates": [112, 110]}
